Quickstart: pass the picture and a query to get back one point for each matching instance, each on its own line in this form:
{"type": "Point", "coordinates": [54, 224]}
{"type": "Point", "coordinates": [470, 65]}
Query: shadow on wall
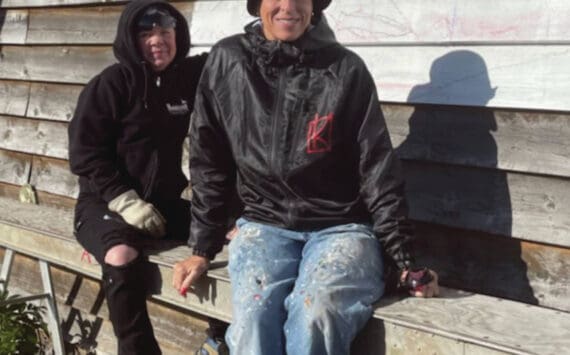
{"type": "Point", "coordinates": [450, 159]}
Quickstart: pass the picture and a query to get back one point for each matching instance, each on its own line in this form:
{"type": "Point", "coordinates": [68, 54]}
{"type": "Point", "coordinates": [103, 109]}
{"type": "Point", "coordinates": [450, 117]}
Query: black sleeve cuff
{"type": "Point", "coordinates": [203, 253]}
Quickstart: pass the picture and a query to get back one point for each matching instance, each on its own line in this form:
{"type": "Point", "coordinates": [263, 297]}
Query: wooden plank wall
{"type": "Point", "coordinates": [474, 93]}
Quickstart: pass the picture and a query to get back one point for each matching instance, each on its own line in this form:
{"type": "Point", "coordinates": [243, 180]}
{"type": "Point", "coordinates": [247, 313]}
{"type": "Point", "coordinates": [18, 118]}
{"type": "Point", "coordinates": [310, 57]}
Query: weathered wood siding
{"type": "Point", "coordinates": [474, 94]}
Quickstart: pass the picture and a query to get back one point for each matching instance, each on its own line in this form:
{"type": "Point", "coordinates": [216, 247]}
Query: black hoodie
{"type": "Point", "coordinates": [301, 125]}
{"type": "Point", "coordinates": [130, 122]}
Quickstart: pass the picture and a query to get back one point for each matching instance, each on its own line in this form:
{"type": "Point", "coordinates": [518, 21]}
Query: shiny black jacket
{"type": "Point", "coordinates": [299, 126]}
{"type": "Point", "coordinates": [129, 125]}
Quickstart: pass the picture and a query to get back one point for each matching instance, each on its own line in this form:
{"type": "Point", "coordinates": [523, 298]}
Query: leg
{"type": "Point", "coordinates": [125, 292]}
{"type": "Point", "coordinates": [340, 277]}
{"type": "Point", "coordinates": [263, 266]}
{"type": "Point", "coordinates": [214, 343]}
{"type": "Point", "coordinates": [113, 243]}
{"type": "Point", "coordinates": [217, 329]}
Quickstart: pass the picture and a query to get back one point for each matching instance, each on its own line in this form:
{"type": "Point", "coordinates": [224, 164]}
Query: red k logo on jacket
{"type": "Point", "coordinates": [319, 134]}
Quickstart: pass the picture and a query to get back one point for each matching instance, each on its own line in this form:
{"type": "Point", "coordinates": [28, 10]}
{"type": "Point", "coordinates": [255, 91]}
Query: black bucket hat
{"type": "Point", "coordinates": [318, 6]}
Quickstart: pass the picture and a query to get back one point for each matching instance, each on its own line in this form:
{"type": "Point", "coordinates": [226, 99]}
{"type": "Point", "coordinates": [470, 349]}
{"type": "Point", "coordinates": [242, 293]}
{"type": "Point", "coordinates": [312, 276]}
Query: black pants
{"type": "Point", "coordinates": [126, 287]}
{"type": "Point", "coordinates": [217, 329]}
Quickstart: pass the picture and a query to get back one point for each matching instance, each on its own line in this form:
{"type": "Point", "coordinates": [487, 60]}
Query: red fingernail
{"type": "Point", "coordinates": [183, 291]}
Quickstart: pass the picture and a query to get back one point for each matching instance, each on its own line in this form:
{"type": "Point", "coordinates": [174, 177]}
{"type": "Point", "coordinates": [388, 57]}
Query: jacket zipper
{"type": "Point", "coordinates": [154, 166]}
{"type": "Point", "coordinates": [276, 164]}
{"type": "Point", "coordinates": [273, 162]}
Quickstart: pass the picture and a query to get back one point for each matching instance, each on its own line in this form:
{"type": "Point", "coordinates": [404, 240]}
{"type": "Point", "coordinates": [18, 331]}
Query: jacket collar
{"type": "Point", "coordinates": [279, 53]}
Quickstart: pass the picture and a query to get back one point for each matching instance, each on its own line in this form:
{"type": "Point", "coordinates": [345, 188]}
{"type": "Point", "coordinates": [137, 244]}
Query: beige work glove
{"type": "Point", "coordinates": [139, 213]}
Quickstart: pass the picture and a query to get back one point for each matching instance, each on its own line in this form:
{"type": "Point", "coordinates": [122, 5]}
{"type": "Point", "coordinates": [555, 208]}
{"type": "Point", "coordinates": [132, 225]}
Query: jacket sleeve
{"type": "Point", "coordinates": [92, 137]}
{"type": "Point", "coordinates": [212, 171]}
{"type": "Point", "coordinates": [381, 182]}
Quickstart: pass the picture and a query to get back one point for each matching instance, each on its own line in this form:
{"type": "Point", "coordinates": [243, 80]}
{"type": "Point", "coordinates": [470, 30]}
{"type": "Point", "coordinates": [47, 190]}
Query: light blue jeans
{"type": "Point", "coordinates": [301, 293]}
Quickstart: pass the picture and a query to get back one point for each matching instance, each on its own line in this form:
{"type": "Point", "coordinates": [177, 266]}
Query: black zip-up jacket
{"type": "Point", "coordinates": [301, 125]}
{"type": "Point", "coordinates": [130, 122]}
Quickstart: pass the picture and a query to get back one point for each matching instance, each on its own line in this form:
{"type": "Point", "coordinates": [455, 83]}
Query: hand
{"type": "Point", "coordinates": [186, 272]}
{"type": "Point", "coordinates": [232, 233]}
{"type": "Point", "coordinates": [428, 290]}
{"type": "Point", "coordinates": [139, 213]}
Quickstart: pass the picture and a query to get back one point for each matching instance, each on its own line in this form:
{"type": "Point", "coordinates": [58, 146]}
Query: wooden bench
{"type": "Point", "coordinates": [470, 105]}
{"type": "Point", "coordinates": [458, 322]}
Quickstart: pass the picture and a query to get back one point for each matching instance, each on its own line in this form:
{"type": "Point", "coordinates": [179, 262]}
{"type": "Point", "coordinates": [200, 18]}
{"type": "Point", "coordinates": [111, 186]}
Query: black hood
{"type": "Point", "coordinates": [125, 46]}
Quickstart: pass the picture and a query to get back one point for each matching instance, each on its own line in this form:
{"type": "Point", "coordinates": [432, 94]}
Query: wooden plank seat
{"type": "Point", "coordinates": [458, 322]}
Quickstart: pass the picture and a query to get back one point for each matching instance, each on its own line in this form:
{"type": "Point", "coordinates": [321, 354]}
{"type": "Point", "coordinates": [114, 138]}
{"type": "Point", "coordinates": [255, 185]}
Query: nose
{"type": "Point", "coordinates": [288, 5]}
{"type": "Point", "coordinates": [156, 39]}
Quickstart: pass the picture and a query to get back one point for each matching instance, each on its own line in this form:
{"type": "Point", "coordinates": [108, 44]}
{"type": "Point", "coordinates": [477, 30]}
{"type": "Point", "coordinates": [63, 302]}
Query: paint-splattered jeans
{"type": "Point", "coordinates": [301, 293]}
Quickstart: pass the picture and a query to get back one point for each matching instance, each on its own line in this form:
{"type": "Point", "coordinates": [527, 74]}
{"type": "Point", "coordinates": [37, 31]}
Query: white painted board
{"type": "Point", "coordinates": [410, 21]}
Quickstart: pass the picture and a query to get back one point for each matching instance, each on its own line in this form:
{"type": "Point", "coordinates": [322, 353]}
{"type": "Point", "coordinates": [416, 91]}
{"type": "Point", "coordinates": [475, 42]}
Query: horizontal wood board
{"type": "Point", "coordinates": [509, 326]}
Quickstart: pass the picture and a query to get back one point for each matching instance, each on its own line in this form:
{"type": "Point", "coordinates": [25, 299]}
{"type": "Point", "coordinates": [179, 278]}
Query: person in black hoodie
{"type": "Point", "coordinates": [125, 143]}
{"type": "Point", "coordinates": [293, 118]}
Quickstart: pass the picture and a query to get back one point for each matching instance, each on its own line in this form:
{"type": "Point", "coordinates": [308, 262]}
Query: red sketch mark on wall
{"type": "Point", "coordinates": [319, 134]}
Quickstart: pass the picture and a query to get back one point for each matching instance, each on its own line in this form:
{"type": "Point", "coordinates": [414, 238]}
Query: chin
{"type": "Point", "coordinates": [289, 37]}
{"type": "Point", "coordinates": [159, 66]}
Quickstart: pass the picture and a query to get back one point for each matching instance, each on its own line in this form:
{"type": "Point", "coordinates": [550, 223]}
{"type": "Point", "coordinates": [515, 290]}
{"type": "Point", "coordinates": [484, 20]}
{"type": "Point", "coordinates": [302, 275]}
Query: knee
{"type": "Point", "coordinates": [120, 255]}
{"type": "Point", "coordinates": [314, 309]}
{"type": "Point", "coordinates": [322, 310]}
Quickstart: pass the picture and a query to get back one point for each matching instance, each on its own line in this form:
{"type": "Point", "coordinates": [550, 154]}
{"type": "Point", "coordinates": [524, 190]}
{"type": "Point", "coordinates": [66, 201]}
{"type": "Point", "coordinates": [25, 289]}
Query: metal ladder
{"type": "Point", "coordinates": [48, 295]}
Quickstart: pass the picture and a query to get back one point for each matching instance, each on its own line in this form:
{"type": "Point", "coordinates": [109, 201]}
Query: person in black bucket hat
{"type": "Point", "coordinates": [125, 144]}
{"type": "Point", "coordinates": [292, 118]}
{"type": "Point", "coordinates": [318, 6]}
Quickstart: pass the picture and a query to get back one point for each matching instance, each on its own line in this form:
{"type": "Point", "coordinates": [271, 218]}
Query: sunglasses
{"type": "Point", "coordinates": [154, 17]}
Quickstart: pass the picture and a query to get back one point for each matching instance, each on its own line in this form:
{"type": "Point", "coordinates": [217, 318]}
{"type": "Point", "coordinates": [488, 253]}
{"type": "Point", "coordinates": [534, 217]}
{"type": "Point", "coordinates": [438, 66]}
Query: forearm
{"type": "Point", "coordinates": [209, 223]}
{"type": "Point", "coordinates": [213, 173]}
{"type": "Point", "coordinates": [105, 181]}
{"type": "Point", "coordinates": [382, 185]}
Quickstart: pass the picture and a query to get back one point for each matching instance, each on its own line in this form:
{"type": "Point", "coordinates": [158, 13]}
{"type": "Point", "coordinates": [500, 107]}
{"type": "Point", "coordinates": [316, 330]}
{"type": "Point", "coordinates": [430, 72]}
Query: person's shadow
{"type": "Point", "coordinates": [450, 160]}
{"type": "Point", "coordinates": [454, 187]}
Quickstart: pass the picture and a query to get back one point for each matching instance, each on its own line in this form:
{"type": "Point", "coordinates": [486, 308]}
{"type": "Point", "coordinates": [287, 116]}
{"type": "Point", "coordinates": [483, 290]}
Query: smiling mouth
{"type": "Point", "coordinates": [289, 21]}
